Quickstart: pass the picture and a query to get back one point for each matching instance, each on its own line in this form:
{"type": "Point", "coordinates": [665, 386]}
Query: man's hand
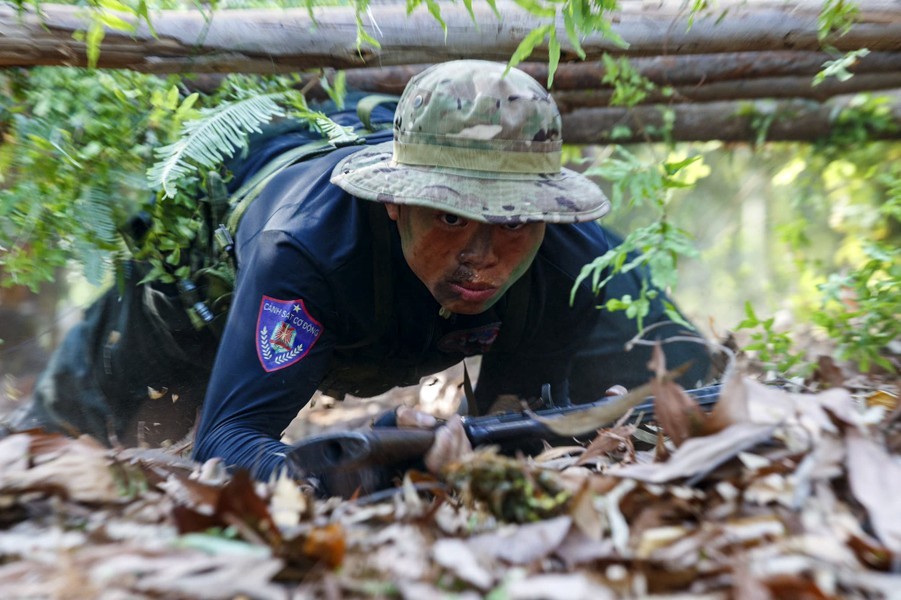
{"type": "Point", "coordinates": [451, 443]}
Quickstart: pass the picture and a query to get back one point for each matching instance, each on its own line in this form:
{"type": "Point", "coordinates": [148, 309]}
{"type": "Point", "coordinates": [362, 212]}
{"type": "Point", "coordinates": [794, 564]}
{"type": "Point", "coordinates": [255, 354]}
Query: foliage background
{"type": "Point", "coordinates": [806, 231]}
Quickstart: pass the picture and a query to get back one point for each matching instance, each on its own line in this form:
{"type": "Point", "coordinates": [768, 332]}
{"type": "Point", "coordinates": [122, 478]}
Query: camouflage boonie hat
{"type": "Point", "coordinates": [473, 142]}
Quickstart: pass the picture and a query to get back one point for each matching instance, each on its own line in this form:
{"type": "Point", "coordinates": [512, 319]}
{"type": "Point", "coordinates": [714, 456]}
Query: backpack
{"type": "Point", "coordinates": [136, 368]}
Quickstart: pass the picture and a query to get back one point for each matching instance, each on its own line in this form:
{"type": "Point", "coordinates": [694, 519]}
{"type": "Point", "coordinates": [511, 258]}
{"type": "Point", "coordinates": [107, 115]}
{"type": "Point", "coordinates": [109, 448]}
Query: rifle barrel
{"type": "Point", "coordinates": [517, 427]}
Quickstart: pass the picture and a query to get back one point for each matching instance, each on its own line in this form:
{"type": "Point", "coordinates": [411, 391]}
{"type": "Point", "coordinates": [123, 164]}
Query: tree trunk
{"type": "Point", "coordinates": [753, 89]}
{"type": "Point", "coordinates": [268, 41]}
{"type": "Point", "coordinates": [786, 120]}
{"type": "Point", "coordinates": [688, 70]}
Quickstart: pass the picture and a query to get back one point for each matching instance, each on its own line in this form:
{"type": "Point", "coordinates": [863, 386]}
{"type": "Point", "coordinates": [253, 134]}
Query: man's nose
{"type": "Point", "coordinates": [479, 248]}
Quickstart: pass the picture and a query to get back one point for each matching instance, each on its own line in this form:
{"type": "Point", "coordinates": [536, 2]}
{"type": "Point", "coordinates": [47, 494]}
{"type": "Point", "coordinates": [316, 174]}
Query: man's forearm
{"type": "Point", "coordinates": [242, 448]}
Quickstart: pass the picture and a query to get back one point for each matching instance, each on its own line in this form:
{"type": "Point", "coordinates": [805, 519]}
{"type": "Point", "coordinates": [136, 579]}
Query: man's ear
{"type": "Point", "coordinates": [393, 210]}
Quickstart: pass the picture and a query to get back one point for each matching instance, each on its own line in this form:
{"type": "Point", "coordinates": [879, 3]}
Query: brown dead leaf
{"type": "Point", "coordinates": [79, 469]}
{"type": "Point", "coordinates": [578, 548]}
{"type": "Point", "coordinates": [288, 503]}
{"type": "Point", "coordinates": [794, 587]}
{"type": "Point", "coordinates": [676, 412]}
{"type": "Point", "coordinates": [327, 544]}
{"type": "Point", "coordinates": [699, 456]}
{"type": "Point", "coordinates": [585, 514]}
{"type": "Point", "coordinates": [568, 586]}
{"type": "Point", "coordinates": [590, 419]}
{"type": "Point", "coordinates": [747, 586]}
{"type": "Point", "coordinates": [193, 494]}
{"type": "Point", "coordinates": [399, 552]}
{"type": "Point", "coordinates": [190, 575]}
{"type": "Point", "coordinates": [875, 478]}
{"type": "Point", "coordinates": [522, 544]}
{"type": "Point", "coordinates": [828, 373]}
{"type": "Point", "coordinates": [732, 406]}
{"type": "Point", "coordinates": [869, 552]}
{"type": "Point", "coordinates": [767, 404]}
{"type": "Point", "coordinates": [458, 557]}
{"type": "Point", "coordinates": [235, 504]}
{"type": "Point", "coordinates": [883, 398]}
{"type": "Point", "coordinates": [608, 441]}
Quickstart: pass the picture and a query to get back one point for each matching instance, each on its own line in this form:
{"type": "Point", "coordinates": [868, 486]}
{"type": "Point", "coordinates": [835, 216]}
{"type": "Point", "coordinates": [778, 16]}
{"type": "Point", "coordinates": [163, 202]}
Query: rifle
{"type": "Point", "coordinates": [343, 463]}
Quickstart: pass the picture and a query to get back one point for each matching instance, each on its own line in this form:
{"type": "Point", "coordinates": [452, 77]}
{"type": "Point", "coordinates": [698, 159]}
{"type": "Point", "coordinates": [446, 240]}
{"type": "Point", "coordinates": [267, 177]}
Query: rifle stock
{"type": "Point", "coordinates": [348, 462]}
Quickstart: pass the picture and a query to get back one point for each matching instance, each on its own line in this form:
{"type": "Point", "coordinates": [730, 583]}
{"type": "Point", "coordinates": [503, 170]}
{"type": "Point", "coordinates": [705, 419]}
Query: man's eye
{"type": "Point", "coordinates": [451, 219]}
{"type": "Point", "coordinates": [514, 226]}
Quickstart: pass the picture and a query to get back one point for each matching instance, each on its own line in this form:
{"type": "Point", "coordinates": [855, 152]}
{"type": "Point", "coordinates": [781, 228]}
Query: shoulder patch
{"type": "Point", "coordinates": [285, 332]}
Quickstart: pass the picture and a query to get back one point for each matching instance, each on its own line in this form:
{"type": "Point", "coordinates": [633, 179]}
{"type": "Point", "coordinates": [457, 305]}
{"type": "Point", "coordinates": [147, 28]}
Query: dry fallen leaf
{"type": "Point", "coordinates": [676, 412]}
{"type": "Point", "coordinates": [80, 469]}
{"type": "Point", "coordinates": [875, 478]}
{"type": "Point", "coordinates": [572, 586]}
{"type": "Point", "coordinates": [698, 456]}
{"type": "Point", "coordinates": [523, 544]}
{"type": "Point", "coordinates": [458, 557]}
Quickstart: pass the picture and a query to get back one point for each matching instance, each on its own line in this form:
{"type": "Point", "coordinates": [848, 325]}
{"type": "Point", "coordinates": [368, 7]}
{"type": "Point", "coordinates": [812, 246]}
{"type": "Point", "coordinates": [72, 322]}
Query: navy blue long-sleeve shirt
{"type": "Point", "coordinates": [304, 317]}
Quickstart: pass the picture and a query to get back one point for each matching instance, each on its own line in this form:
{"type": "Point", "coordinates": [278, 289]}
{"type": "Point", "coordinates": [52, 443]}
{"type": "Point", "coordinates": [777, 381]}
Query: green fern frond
{"type": "Point", "coordinates": [97, 213]}
{"type": "Point", "coordinates": [94, 261]}
{"type": "Point", "coordinates": [335, 133]}
{"type": "Point", "coordinates": [215, 136]}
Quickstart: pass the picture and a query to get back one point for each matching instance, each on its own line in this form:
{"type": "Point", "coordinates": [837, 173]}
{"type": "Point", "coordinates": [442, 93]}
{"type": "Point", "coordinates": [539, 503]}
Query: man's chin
{"type": "Point", "coordinates": [466, 310]}
{"type": "Point", "coordinates": [461, 307]}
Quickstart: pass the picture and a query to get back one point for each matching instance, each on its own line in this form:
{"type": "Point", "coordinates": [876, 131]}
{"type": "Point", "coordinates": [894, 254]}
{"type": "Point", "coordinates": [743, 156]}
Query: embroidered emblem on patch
{"type": "Point", "coordinates": [285, 332]}
{"type": "Point", "coordinates": [470, 342]}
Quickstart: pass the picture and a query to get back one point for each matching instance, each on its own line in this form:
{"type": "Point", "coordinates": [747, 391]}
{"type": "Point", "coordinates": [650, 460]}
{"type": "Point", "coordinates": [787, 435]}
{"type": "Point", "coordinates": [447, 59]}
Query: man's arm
{"type": "Point", "coordinates": [275, 350]}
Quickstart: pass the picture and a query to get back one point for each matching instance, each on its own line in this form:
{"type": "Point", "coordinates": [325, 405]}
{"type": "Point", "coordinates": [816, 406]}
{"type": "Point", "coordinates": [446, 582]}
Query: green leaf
{"type": "Point", "coordinates": [172, 98]}
{"type": "Point", "coordinates": [435, 11]}
{"type": "Point", "coordinates": [468, 5]}
{"type": "Point", "coordinates": [336, 91]}
{"type": "Point", "coordinates": [672, 168]}
{"type": "Point", "coordinates": [569, 22]}
{"type": "Point", "coordinates": [675, 316]}
{"type": "Point", "coordinates": [115, 22]}
{"type": "Point", "coordinates": [212, 138]}
{"type": "Point", "coordinates": [94, 38]}
{"type": "Point", "coordinates": [527, 45]}
{"type": "Point", "coordinates": [749, 311]}
{"type": "Point", "coordinates": [537, 8]}
{"type": "Point", "coordinates": [553, 57]}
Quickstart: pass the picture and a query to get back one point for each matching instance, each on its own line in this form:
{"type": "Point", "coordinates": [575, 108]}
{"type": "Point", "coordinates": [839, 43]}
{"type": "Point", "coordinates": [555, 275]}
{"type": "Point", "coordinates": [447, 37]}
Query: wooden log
{"type": "Point", "coordinates": [687, 70]}
{"type": "Point", "coordinates": [788, 120]}
{"type": "Point", "coordinates": [752, 89]}
{"type": "Point", "coordinates": [269, 41]}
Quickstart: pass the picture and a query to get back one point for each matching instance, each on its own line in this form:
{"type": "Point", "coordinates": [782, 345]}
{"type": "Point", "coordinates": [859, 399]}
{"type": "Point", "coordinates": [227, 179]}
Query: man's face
{"type": "Point", "coordinates": [466, 265]}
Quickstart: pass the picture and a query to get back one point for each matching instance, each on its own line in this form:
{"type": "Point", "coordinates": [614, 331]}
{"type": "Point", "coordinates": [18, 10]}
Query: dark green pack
{"type": "Point", "coordinates": [206, 294]}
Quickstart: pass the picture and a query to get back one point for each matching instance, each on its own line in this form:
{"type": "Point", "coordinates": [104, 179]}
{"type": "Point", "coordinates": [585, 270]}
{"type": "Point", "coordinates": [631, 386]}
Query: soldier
{"type": "Point", "coordinates": [481, 234]}
{"type": "Point", "coordinates": [369, 267]}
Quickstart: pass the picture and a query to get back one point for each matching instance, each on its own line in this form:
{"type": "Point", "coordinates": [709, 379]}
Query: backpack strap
{"type": "Point", "coordinates": [382, 273]}
{"type": "Point", "coordinates": [381, 267]}
{"type": "Point", "coordinates": [247, 193]}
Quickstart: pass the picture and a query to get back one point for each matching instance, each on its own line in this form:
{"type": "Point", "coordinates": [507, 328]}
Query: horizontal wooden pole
{"type": "Point", "coordinates": [789, 120]}
{"type": "Point", "coordinates": [271, 41]}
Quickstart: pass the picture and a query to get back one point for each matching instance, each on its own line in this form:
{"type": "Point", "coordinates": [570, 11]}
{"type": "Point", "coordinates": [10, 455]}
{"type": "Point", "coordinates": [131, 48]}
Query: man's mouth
{"type": "Point", "coordinates": [469, 291]}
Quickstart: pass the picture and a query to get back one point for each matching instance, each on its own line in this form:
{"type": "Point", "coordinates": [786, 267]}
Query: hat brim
{"type": "Point", "coordinates": [567, 197]}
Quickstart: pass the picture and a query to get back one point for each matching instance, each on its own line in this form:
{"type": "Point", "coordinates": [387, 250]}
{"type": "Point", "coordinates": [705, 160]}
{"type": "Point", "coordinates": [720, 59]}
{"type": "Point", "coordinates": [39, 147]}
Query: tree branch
{"type": "Point", "coordinates": [783, 120]}
{"type": "Point", "coordinates": [269, 41]}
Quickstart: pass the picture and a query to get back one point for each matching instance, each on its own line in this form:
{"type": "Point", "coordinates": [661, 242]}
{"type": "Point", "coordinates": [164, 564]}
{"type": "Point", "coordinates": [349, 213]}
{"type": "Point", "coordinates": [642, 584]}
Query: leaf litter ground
{"type": "Point", "coordinates": [772, 495]}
